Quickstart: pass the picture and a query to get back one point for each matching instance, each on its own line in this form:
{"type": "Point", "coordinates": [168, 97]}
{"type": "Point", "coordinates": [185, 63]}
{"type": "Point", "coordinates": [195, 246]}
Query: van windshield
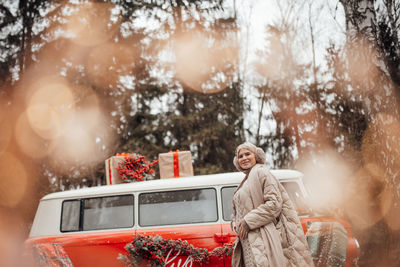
{"type": "Point", "coordinates": [178, 207]}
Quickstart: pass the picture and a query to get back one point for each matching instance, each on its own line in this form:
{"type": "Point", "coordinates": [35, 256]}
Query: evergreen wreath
{"type": "Point", "coordinates": [135, 168]}
{"type": "Point", "coordinates": [154, 249]}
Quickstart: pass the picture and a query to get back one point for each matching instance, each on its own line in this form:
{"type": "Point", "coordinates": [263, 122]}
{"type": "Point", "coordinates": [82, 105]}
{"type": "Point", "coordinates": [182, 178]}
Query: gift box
{"type": "Point", "coordinates": [127, 168]}
{"type": "Point", "coordinates": [112, 175]}
{"type": "Point", "coordinates": [175, 164]}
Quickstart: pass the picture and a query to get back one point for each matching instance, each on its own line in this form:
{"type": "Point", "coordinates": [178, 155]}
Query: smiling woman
{"type": "Point", "coordinates": [246, 159]}
{"type": "Point", "coordinates": [262, 215]}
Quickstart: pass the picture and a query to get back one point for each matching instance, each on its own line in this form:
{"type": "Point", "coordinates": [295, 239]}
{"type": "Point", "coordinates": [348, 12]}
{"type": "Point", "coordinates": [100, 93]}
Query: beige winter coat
{"type": "Point", "coordinates": [268, 205]}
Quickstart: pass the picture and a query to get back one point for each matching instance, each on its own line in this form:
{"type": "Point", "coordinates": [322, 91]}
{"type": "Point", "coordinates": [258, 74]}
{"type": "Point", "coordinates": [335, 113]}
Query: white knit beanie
{"type": "Point", "coordinates": [258, 152]}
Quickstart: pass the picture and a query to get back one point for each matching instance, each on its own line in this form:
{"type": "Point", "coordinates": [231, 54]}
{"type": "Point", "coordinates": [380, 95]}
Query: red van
{"type": "Point", "coordinates": [92, 226]}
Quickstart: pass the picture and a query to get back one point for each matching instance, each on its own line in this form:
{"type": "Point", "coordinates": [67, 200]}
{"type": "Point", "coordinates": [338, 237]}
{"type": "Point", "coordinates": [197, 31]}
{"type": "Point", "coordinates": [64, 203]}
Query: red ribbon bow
{"type": "Point", "coordinates": [122, 154]}
{"type": "Point", "coordinates": [176, 162]}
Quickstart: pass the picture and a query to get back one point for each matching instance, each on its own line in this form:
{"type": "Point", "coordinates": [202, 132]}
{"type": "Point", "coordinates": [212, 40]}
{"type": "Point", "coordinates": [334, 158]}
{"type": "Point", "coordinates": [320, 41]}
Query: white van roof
{"type": "Point", "coordinates": [232, 178]}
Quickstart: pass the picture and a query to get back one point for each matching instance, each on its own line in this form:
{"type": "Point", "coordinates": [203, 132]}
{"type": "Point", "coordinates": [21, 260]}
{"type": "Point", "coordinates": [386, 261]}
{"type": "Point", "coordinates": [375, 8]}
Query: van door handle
{"type": "Point", "coordinates": [222, 238]}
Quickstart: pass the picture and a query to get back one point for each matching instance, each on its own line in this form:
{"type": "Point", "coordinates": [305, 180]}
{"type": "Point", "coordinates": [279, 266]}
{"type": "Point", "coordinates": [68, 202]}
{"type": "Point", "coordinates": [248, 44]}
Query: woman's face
{"type": "Point", "coordinates": [246, 159]}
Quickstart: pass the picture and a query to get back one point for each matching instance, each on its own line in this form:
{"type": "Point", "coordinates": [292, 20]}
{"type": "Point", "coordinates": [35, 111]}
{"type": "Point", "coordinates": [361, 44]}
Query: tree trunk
{"type": "Point", "coordinates": [368, 68]}
{"type": "Point", "coordinates": [360, 19]}
{"type": "Point", "coordinates": [25, 58]}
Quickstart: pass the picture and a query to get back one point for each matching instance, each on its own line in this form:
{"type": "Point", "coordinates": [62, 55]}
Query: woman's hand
{"type": "Point", "coordinates": [242, 233]}
{"type": "Point", "coordinates": [233, 226]}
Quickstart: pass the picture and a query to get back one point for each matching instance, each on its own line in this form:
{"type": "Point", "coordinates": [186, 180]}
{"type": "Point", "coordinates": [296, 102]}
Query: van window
{"type": "Point", "coordinates": [297, 197]}
{"type": "Point", "coordinates": [227, 194]}
{"type": "Point", "coordinates": [70, 215]}
{"type": "Point", "coordinates": [178, 207]}
{"type": "Point", "coordinates": [97, 213]}
{"type": "Point", "coordinates": [108, 212]}
{"type": "Point", "coordinates": [292, 189]}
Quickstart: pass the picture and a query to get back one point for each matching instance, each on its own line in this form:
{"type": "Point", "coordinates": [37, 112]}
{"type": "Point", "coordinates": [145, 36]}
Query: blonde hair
{"type": "Point", "coordinates": [258, 152]}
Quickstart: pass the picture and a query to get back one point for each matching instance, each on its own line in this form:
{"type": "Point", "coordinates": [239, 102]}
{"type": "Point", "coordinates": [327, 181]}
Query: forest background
{"type": "Point", "coordinates": [83, 80]}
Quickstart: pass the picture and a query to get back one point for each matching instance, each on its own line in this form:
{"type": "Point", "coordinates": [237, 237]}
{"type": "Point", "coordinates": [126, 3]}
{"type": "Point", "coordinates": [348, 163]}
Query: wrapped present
{"type": "Point", "coordinates": [175, 164]}
{"type": "Point", "coordinates": [127, 168]}
{"type": "Point", "coordinates": [112, 174]}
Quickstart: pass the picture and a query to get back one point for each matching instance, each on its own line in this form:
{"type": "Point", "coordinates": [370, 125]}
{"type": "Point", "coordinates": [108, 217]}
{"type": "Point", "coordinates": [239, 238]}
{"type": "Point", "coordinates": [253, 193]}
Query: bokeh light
{"type": "Point", "coordinates": [87, 104]}
{"type": "Point", "coordinates": [327, 177]}
{"type": "Point", "coordinates": [198, 66]}
{"type": "Point", "coordinates": [62, 124]}
{"type": "Point", "coordinates": [387, 200]}
{"type": "Point", "coordinates": [49, 106]}
{"type": "Point", "coordinates": [12, 236]}
{"type": "Point", "coordinates": [28, 141]}
{"type": "Point", "coordinates": [381, 146]}
{"type": "Point", "coordinates": [381, 152]}
{"type": "Point", "coordinates": [363, 206]}
{"type": "Point", "coordinates": [5, 133]}
{"type": "Point", "coordinates": [275, 64]}
{"type": "Point", "coordinates": [392, 218]}
{"type": "Point", "coordinates": [77, 144]}
{"type": "Point", "coordinates": [362, 58]}
{"type": "Point", "coordinates": [14, 180]}
{"type": "Point", "coordinates": [61, 55]}
{"type": "Point", "coordinates": [93, 23]}
{"type": "Point", "coordinates": [107, 62]}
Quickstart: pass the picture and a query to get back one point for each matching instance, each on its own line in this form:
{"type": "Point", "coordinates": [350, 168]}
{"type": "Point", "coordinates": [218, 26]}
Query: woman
{"type": "Point", "coordinates": [268, 229]}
